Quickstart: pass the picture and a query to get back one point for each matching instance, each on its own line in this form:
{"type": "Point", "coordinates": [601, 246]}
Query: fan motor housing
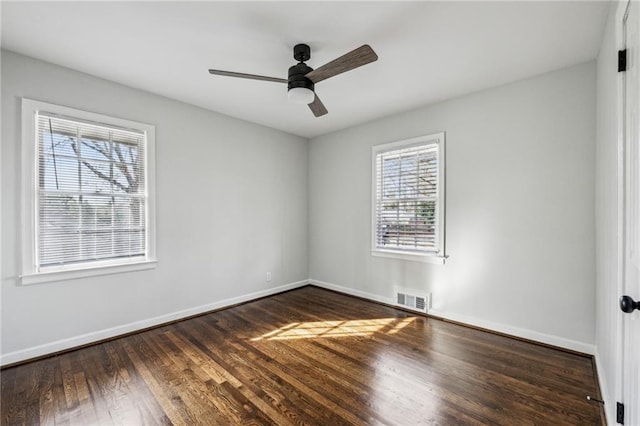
{"type": "Point", "coordinates": [297, 76]}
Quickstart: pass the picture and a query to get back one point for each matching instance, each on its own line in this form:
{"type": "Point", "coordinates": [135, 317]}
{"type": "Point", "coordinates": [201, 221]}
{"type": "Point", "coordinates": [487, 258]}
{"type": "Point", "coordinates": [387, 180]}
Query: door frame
{"type": "Point", "coordinates": [619, 349]}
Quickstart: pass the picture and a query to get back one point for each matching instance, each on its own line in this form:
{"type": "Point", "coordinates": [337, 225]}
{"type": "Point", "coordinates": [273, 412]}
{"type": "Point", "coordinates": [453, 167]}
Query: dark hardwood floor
{"type": "Point", "coordinates": [308, 356]}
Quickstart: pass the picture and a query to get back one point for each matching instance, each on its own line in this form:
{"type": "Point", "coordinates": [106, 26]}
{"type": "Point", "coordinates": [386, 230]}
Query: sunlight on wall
{"type": "Point", "coordinates": [308, 330]}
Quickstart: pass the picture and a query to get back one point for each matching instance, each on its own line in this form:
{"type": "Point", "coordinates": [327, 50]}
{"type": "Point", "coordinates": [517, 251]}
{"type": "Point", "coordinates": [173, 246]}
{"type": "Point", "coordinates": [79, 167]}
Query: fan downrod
{"type": "Point", "coordinates": [301, 52]}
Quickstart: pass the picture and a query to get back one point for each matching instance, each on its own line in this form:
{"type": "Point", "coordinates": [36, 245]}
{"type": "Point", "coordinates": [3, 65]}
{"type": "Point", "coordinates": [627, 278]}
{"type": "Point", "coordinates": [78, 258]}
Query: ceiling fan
{"type": "Point", "coordinates": [302, 78]}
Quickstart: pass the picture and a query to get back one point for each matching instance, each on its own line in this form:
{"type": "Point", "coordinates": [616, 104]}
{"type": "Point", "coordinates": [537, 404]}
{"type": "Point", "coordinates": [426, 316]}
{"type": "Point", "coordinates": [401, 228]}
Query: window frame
{"type": "Point", "coordinates": [31, 273]}
{"type": "Point", "coordinates": [437, 256]}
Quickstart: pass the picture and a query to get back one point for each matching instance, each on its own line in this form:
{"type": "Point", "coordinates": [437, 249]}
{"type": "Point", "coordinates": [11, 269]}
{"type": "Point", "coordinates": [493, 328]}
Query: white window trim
{"type": "Point", "coordinates": [437, 257]}
{"type": "Point", "coordinates": [30, 272]}
{"type": "Point", "coordinates": [413, 257]}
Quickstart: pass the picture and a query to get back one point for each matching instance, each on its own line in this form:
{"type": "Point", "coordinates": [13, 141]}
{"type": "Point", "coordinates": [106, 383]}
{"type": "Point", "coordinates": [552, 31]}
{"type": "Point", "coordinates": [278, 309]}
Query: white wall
{"type": "Point", "coordinates": [520, 209]}
{"type": "Point", "coordinates": [520, 216]}
{"type": "Point", "coordinates": [231, 205]}
{"type": "Point", "coordinates": [607, 315]}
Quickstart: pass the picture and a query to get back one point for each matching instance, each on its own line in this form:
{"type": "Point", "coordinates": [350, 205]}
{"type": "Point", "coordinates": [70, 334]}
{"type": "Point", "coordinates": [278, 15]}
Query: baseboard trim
{"type": "Point", "coordinates": [64, 345]}
{"type": "Point", "coordinates": [507, 330]}
{"type": "Point", "coordinates": [352, 292]}
{"type": "Point", "coordinates": [522, 333]}
{"type": "Point", "coordinates": [609, 403]}
{"type": "Point", "coordinates": [76, 342]}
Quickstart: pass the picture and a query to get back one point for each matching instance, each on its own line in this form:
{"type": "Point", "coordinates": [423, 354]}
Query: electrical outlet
{"type": "Point", "coordinates": [267, 278]}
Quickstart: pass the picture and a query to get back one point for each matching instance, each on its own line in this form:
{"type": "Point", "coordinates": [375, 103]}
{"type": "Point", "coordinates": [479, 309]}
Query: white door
{"type": "Point", "coordinates": [631, 262]}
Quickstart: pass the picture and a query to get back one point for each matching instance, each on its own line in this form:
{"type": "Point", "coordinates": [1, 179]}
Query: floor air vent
{"type": "Point", "coordinates": [412, 301]}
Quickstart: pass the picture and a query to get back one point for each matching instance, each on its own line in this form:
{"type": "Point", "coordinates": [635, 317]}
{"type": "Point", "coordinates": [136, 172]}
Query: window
{"type": "Point", "coordinates": [88, 193]}
{"type": "Point", "coordinates": [408, 199]}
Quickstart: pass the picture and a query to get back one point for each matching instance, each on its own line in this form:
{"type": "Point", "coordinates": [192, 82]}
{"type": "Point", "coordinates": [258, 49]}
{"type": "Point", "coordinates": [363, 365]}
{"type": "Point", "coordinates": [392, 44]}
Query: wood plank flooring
{"type": "Point", "coordinates": [308, 356]}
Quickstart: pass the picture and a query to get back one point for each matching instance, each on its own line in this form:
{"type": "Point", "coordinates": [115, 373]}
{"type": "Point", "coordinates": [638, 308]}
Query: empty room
{"type": "Point", "coordinates": [320, 213]}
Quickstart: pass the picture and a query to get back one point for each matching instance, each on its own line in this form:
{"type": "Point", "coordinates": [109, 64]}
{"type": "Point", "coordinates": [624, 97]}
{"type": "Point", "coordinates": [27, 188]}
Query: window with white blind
{"type": "Point", "coordinates": [408, 199]}
{"type": "Point", "coordinates": [88, 193]}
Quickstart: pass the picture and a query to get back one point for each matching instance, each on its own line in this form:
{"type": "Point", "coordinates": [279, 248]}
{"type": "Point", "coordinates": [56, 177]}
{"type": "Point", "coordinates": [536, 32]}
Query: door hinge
{"type": "Point", "coordinates": [622, 60]}
{"type": "Point", "coordinates": [620, 413]}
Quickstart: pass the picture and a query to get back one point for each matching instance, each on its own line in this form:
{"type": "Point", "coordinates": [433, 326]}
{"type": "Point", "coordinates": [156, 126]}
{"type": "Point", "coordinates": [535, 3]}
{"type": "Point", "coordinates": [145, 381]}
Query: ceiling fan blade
{"type": "Point", "coordinates": [354, 59]}
{"type": "Point", "coordinates": [249, 76]}
{"type": "Point", "coordinates": [317, 107]}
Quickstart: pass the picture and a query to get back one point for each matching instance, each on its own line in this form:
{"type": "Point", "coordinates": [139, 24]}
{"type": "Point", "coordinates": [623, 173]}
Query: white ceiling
{"type": "Point", "coordinates": [428, 51]}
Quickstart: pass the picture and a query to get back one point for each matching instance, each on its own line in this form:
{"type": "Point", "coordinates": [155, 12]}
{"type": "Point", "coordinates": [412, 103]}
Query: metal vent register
{"type": "Point", "coordinates": [412, 301]}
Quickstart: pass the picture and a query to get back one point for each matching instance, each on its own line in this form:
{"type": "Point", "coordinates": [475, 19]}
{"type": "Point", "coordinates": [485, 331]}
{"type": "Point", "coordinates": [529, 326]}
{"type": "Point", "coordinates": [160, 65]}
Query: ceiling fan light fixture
{"type": "Point", "coordinates": [301, 95]}
{"type": "Point", "coordinates": [300, 87]}
{"type": "Point", "coordinates": [302, 78]}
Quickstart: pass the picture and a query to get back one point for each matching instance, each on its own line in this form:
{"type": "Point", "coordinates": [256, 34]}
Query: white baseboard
{"type": "Point", "coordinates": [609, 403]}
{"type": "Point", "coordinates": [548, 339]}
{"type": "Point", "coordinates": [523, 333]}
{"type": "Point", "coordinates": [352, 292]}
{"type": "Point", "coordinates": [60, 345]}
{"type": "Point", "coordinates": [72, 342]}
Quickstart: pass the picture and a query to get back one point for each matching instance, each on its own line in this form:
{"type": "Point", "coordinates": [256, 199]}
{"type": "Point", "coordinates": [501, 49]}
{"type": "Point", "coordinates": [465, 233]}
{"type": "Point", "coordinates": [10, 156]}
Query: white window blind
{"type": "Point", "coordinates": [91, 192]}
{"type": "Point", "coordinates": [408, 196]}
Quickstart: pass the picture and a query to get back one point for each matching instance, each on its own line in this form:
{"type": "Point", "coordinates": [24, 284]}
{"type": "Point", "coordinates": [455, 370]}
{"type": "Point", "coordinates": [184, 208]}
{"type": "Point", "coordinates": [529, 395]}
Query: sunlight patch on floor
{"type": "Point", "coordinates": [309, 330]}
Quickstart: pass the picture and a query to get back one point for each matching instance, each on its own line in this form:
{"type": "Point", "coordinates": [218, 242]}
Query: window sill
{"type": "Point", "coordinates": [71, 274]}
{"type": "Point", "coordinates": [424, 258]}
